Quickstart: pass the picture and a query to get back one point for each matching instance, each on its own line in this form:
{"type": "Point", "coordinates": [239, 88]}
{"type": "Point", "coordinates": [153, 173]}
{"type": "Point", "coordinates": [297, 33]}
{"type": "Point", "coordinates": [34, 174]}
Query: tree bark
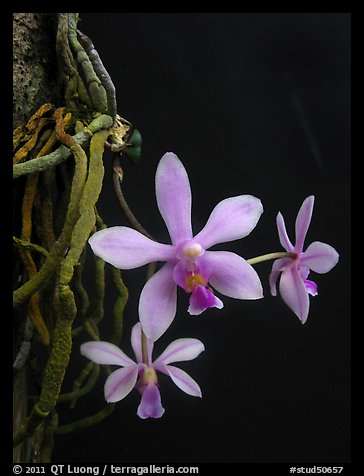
{"type": "Point", "coordinates": [34, 63]}
{"type": "Point", "coordinates": [34, 83]}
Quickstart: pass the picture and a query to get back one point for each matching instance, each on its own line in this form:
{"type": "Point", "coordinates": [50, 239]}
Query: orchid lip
{"type": "Point", "coordinates": [201, 299]}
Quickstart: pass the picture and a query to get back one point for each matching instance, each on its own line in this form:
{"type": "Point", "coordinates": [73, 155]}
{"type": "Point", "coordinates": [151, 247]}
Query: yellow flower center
{"type": "Point", "coordinates": [194, 280]}
{"type": "Point", "coordinates": [149, 376]}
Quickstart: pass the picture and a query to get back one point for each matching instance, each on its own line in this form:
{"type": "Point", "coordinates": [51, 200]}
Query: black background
{"type": "Point", "coordinates": [255, 103]}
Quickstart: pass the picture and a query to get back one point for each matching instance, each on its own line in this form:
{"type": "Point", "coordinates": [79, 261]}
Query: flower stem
{"type": "Point", "coordinates": [117, 179]}
{"type": "Point", "coordinates": [119, 305]}
{"type": "Point", "coordinates": [150, 272]}
{"type": "Point", "coordinates": [270, 256]}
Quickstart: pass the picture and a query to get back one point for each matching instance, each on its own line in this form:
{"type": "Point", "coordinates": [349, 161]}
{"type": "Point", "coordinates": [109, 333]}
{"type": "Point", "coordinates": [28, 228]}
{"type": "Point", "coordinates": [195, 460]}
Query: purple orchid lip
{"type": "Point", "coordinates": [319, 257]}
{"type": "Point", "coordinates": [202, 299]}
{"type": "Point", "coordinates": [141, 375]}
{"type": "Point", "coordinates": [228, 273]}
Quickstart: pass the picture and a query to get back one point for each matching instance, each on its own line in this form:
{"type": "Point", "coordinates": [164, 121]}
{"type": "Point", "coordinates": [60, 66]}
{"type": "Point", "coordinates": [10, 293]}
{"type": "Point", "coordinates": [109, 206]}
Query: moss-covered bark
{"type": "Point", "coordinates": [59, 142]}
{"type": "Point", "coordinates": [34, 63]}
{"type": "Point", "coordinates": [34, 83]}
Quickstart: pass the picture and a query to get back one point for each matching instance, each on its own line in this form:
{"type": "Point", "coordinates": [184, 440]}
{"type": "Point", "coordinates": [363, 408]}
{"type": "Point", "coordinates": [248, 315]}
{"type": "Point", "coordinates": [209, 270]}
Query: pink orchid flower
{"type": "Point", "coordinates": [188, 263]}
{"type": "Point", "coordinates": [294, 287]}
{"type": "Point", "coordinates": [143, 375]}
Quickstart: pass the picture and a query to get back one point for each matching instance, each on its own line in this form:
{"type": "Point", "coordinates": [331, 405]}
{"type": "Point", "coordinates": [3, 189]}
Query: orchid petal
{"type": "Point", "coordinates": [120, 383]}
{"type": "Point", "coordinates": [233, 276]}
{"type": "Point", "coordinates": [320, 257]}
{"type": "Point", "coordinates": [126, 248]}
{"type": "Point", "coordinates": [158, 302]}
{"type": "Point", "coordinates": [180, 275]}
{"type": "Point", "coordinates": [181, 350]}
{"type": "Point", "coordinates": [294, 293]}
{"type": "Point", "coordinates": [278, 266]}
{"type": "Point", "coordinates": [231, 219]}
{"type": "Point", "coordinates": [282, 233]}
{"type": "Point", "coordinates": [102, 352]}
{"type": "Point", "coordinates": [136, 343]}
{"type": "Point", "coordinates": [202, 299]}
{"type": "Point", "coordinates": [150, 405]}
{"type": "Point", "coordinates": [184, 381]}
{"type": "Point", "coordinates": [303, 221]}
{"type": "Point", "coordinates": [174, 197]}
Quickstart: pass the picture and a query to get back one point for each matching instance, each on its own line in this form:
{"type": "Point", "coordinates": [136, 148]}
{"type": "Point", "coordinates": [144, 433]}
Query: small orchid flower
{"type": "Point", "coordinates": [188, 263]}
{"type": "Point", "coordinates": [294, 286]}
{"type": "Point", "coordinates": [142, 375]}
